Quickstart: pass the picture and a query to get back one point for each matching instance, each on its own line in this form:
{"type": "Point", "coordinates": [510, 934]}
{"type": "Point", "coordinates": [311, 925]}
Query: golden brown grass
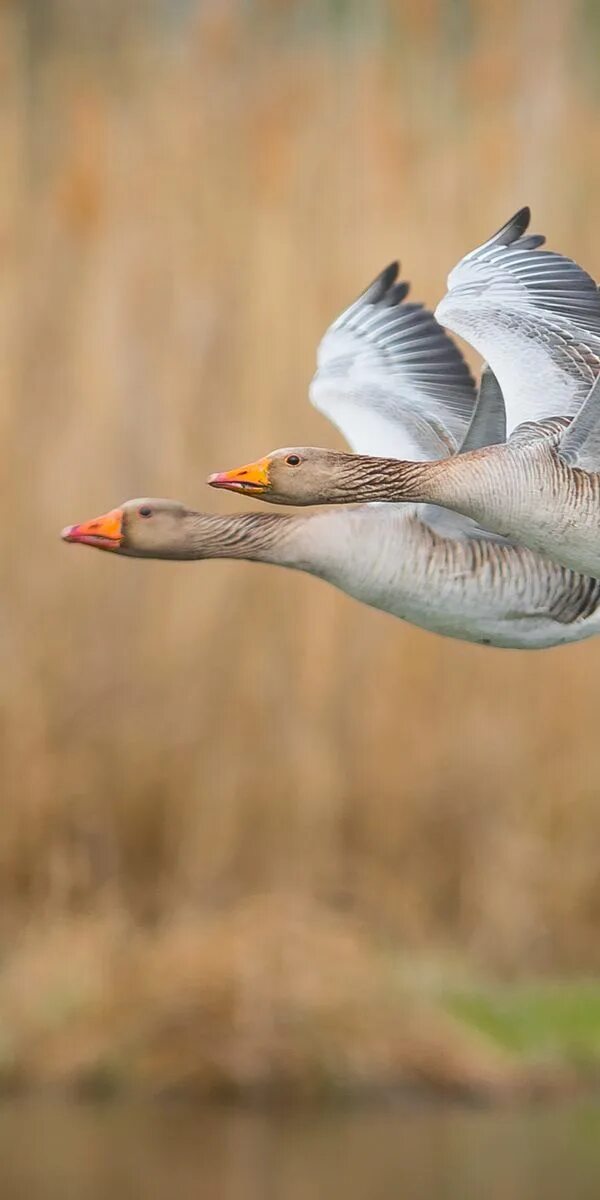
{"type": "Point", "coordinates": [273, 996]}
{"type": "Point", "coordinates": [184, 205]}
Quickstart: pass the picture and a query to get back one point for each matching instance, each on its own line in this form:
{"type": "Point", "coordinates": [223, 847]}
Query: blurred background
{"type": "Point", "coordinates": [257, 839]}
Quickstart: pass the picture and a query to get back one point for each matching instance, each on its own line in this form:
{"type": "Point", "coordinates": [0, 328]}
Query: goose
{"type": "Point", "coordinates": [394, 382]}
{"type": "Point", "coordinates": [454, 586]}
{"type": "Point", "coordinates": [540, 488]}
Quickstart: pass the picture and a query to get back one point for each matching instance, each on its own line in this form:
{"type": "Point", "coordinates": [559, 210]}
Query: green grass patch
{"type": "Point", "coordinates": [536, 1020]}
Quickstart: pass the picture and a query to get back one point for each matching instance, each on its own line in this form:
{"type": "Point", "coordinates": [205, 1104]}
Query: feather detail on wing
{"type": "Point", "coordinates": [391, 379]}
{"type": "Point", "coordinates": [549, 429]}
{"type": "Point", "coordinates": [580, 444]}
{"type": "Point", "coordinates": [534, 315]}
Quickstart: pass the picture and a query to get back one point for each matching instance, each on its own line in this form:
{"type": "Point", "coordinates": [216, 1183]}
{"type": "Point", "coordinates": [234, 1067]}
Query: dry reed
{"type": "Point", "coordinates": [186, 200]}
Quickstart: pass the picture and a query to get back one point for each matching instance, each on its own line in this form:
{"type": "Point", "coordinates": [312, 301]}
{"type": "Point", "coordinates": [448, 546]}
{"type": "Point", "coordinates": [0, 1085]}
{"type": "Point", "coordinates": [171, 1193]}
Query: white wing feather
{"type": "Point", "coordinates": [396, 385]}
{"type": "Point", "coordinates": [534, 315]}
{"type": "Point", "coordinates": [391, 379]}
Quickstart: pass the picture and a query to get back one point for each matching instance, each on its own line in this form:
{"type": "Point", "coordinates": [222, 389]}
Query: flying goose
{"type": "Point", "coordinates": [542, 487]}
{"type": "Point", "coordinates": [476, 590]}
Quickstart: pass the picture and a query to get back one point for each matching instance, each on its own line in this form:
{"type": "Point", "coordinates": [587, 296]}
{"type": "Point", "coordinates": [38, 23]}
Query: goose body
{"type": "Point", "coordinates": [541, 489]}
{"type": "Point", "coordinates": [468, 588]}
{"type": "Point", "coordinates": [537, 317]}
{"type": "Point", "coordinates": [472, 589]}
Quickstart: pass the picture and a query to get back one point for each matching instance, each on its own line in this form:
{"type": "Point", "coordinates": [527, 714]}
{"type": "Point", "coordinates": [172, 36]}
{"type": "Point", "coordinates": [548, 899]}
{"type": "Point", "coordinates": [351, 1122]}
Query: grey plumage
{"type": "Point", "coordinates": [396, 385]}
{"type": "Point", "coordinates": [512, 231]}
{"type": "Point", "coordinates": [546, 279]}
{"type": "Point", "coordinates": [488, 423]}
{"type": "Point", "coordinates": [551, 429]}
{"type": "Point", "coordinates": [388, 360]}
{"type": "Point", "coordinates": [533, 314]}
{"type": "Point", "coordinates": [580, 443]}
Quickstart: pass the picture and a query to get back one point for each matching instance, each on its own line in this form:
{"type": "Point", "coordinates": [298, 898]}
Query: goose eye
{"type": "Point", "coordinates": [145, 510]}
{"type": "Point", "coordinates": [293, 460]}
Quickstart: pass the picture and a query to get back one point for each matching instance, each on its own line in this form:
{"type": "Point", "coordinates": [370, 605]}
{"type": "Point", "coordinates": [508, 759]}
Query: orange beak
{"type": "Point", "coordinates": [253, 479]}
{"type": "Point", "coordinates": [104, 532]}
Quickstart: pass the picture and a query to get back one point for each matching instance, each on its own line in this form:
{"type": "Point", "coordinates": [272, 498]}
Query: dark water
{"type": "Point", "coordinates": [160, 1152]}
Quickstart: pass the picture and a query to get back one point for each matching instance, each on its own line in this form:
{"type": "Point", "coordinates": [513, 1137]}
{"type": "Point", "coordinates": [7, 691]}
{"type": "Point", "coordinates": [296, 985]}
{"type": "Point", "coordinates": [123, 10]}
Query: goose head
{"type": "Point", "coordinates": [296, 475]}
{"type": "Point", "coordinates": [143, 528]}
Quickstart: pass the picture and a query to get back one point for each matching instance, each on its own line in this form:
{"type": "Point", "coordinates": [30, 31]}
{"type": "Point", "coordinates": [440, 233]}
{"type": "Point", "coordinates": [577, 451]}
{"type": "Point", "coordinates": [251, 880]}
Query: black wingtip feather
{"type": "Point", "coordinates": [512, 234]}
{"type": "Point", "coordinates": [397, 293]}
{"type": "Point", "coordinates": [522, 218]}
{"type": "Point", "coordinates": [532, 241]}
{"type": "Point", "coordinates": [514, 228]}
{"type": "Point", "coordinates": [384, 289]}
{"type": "Point", "coordinates": [382, 283]}
{"type": "Point", "coordinates": [390, 273]}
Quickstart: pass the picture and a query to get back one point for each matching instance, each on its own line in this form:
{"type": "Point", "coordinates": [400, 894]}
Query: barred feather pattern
{"type": "Point", "coordinates": [472, 589]}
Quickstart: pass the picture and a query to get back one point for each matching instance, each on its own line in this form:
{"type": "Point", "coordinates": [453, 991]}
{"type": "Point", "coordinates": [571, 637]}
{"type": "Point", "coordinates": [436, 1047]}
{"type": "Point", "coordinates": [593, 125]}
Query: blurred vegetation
{"type": "Point", "coordinates": [560, 1021]}
{"type": "Point", "coordinates": [190, 192]}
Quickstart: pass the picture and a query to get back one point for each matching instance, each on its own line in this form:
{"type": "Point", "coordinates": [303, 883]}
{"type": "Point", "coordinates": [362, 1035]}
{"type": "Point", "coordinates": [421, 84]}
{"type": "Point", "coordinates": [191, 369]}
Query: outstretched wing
{"type": "Point", "coordinates": [534, 315]}
{"type": "Point", "coordinates": [391, 379]}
